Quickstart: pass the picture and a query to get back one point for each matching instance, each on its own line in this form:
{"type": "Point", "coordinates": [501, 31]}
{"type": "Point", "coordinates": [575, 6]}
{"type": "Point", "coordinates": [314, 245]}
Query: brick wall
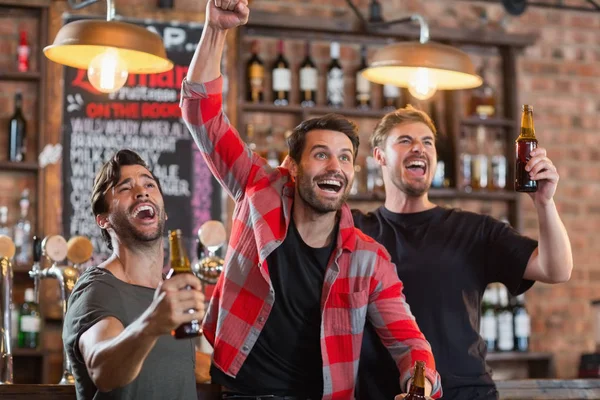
{"type": "Point", "coordinates": [559, 76]}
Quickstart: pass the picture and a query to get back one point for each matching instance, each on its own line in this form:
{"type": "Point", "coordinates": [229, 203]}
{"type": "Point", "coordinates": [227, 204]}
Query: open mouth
{"type": "Point", "coordinates": [330, 185]}
{"type": "Point", "coordinates": [144, 212]}
{"type": "Point", "coordinates": [416, 167]}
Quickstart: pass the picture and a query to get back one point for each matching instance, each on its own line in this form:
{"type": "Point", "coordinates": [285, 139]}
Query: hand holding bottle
{"type": "Point", "coordinates": [226, 14]}
{"type": "Point", "coordinates": [171, 304]}
{"type": "Point", "coordinates": [543, 171]}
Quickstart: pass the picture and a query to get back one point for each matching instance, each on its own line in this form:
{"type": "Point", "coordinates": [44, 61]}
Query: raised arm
{"type": "Point", "coordinates": [114, 355]}
{"type": "Point", "coordinates": [396, 326]}
{"type": "Point", "coordinates": [552, 261]}
{"type": "Point", "coordinates": [227, 156]}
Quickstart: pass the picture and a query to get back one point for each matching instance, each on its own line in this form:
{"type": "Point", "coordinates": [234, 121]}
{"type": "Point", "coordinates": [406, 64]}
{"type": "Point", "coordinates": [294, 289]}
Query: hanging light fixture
{"type": "Point", "coordinates": [423, 67]}
{"type": "Point", "coordinates": [109, 50]}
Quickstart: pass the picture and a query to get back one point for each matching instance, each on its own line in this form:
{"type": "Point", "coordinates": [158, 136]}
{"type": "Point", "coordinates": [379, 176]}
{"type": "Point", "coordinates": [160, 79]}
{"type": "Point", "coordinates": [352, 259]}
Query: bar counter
{"type": "Point", "coordinates": [530, 389]}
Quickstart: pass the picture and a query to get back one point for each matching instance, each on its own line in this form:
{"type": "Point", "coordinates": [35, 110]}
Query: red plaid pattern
{"type": "Point", "coordinates": [360, 283]}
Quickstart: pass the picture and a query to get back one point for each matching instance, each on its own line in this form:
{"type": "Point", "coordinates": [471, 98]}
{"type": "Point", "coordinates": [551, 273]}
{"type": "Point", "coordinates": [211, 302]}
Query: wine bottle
{"type": "Point", "coordinates": [282, 78]}
{"type": "Point", "coordinates": [363, 86]}
{"type": "Point", "coordinates": [16, 132]}
{"type": "Point", "coordinates": [335, 78]}
{"type": "Point", "coordinates": [255, 71]}
{"type": "Point", "coordinates": [308, 80]}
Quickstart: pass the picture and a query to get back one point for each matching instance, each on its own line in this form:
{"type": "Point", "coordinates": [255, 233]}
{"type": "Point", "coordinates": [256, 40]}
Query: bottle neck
{"type": "Point", "coordinates": [418, 384]}
{"type": "Point", "coordinates": [527, 128]}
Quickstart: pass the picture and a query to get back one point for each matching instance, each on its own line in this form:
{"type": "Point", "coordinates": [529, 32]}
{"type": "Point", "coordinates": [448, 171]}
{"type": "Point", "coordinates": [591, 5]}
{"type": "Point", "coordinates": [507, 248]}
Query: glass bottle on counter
{"type": "Point", "coordinates": [363, 86]}
{"type": "Point", "coordinates": [22, 232]}
{"type": "Point", "coordinates": [489, 323]}
{"type": "Point", "coordinates": [255, 80]}
{"type": "Point", "coordinates": [308, 80]}
{"type": "Point", "coordinates": [335, 78]}
{"type": "Point", "coordinates": [180, 264]}
{"type": "Point", "coordinates": [391, 97]}
{"type": "Point", "coordinates": [282, 78]}
{"type": "Point", "coordinates": [522, 324]}
{"type": "Point", "coordinates": [479, 170]}
{"type": "Point", "coordinates": [17, 127]}
{"type": "Point", "coordinates": [417, 387]}
{"type": "Point", "coordinates": [29, 322]}
{"type": "Point", "coordinates": [483, 98]}
{"type": "Point", "coordinates": [506, 334]}
{"type": "Point", "coordinates": [525, 143]}
{"type": "Point", "coordinates": [498, 162]}
{"type": "Point", "coordinates": [465, 145]}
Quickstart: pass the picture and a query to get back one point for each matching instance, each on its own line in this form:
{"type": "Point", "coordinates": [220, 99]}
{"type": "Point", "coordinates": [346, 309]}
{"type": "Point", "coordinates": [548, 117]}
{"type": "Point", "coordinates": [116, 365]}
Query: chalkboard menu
{"type": "Point", "coordinates": [143, 116]}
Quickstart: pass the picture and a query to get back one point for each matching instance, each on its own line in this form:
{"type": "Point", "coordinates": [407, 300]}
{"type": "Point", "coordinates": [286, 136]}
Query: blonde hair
{"type": "Point", "coordinates": [394, 118]}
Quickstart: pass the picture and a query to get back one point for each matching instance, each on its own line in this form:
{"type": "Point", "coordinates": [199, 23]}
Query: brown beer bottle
{"type": "Point", "coordinates": [526, 142]}
{"type": "Point", "coordinates": [180, 264]}
{"type": "Point", "coordinates": [417, 388]}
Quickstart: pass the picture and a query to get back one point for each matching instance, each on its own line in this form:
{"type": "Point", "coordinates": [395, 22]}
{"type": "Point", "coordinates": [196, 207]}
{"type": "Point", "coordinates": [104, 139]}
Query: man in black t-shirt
{"type": "Point", "coordinates": [446, 258]}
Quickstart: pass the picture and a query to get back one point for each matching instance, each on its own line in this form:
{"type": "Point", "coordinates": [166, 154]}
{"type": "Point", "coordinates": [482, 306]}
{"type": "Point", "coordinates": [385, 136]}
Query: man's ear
{"type": "Point", "coordinates": [379, 156]}
{"type": "Point", "coordinates": [292, 166]}
{"type": "Point", "coordinates": [102, 221]}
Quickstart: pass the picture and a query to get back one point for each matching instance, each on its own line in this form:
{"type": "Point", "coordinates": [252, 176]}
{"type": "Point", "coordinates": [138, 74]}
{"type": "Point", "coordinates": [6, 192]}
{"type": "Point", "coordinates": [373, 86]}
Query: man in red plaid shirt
{"type": "Point", "coordinates": [286, 319]}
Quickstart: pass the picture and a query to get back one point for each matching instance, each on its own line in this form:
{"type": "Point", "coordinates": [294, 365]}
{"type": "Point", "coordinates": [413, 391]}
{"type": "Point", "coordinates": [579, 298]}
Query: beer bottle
{"type": "Point", "coordinates": [526, 142]}
{"type": "Point", "coordinates": [180, 264]}
{"type": "Point", "coordinates": [417, 388]}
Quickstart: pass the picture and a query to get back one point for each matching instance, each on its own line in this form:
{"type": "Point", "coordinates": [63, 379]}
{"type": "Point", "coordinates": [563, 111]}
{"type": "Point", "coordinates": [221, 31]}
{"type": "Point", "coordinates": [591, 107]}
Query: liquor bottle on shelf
{"type": "Point", "coordinates": [4, 228]}
{"type": "Point", "coordinates": [483, 98]}
{"type": "Point", "coordinates": [441, 177]}
{"type": "Point", "coordinates": [335, 78]}
{"type": "Point", "coordinates": [522, 324]}
{"type": "Point", "coordinates": [480, 161]}
{"type": "Point", "coordinates": [525, 143]}
{"type": "Point", "coordinates": [255, 70]}
{"type": "Point", "coordinates": [22, 232]}
{"type": "Point", "coordinates": [29, 322]}
{"type": "Point", "coordinates": [17, 127]}
{"type": "Point", "coordinates": [466, 160]}
{"type": "Point", "coordinates": [363, 86]}
{"type": "Point", "coordinates": [391, 97]}
{"type": "Point", "coordinates": [250, 137]}
{"type": "Point", "coordinates": [489, 322]}
{"type": "Point", "coordinates": [282, 78]}
{"type": "Point", "coordinates": [308, 80]}
{"type": "Point", "coordinates": [180, 264]}
{"type": "Point", "coordinates": [506, 332]}
{"type": "Point", "coordinates": [23, 52]}
{"type": "Point", "coordinates": [498, 163]}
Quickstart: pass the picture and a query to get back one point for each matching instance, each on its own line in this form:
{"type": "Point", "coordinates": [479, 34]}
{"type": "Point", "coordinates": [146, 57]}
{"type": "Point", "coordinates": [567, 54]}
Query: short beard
{"type": "Point", "coordinates": [408, 189]}
{"type": "Point", "coordinates": [308, 195]}
{"type": "Point", "coordinates": [128, 233]}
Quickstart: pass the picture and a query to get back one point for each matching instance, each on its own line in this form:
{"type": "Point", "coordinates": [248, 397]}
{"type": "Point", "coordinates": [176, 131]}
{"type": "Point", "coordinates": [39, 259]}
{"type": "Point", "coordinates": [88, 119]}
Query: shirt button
{"type": "Point", "coordinates": [259, 265]}
{"type": "Point", "coordinates": [272, 291]}
{"type": "Point", "coordinates": [261, 319]}
{"type": "Point", "coordinates": [245, 348]}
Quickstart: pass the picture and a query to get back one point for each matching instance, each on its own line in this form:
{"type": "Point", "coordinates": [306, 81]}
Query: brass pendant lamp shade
{"type": "Point", "coordinates": [448, 66]}
{"type": "Point", "coordinates": [423, 66]}
{"type": "Point", "coordinates": [79, 42]}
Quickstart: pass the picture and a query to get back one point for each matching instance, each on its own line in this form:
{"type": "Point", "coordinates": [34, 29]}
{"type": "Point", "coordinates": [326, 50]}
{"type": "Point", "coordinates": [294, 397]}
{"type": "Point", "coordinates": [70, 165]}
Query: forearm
{"type": "Point", "coordinates": [206, 63]}
{"type": "Point", "coordinates": [116, 362]}
{"type": "Point", "coordinates": [554, 247]}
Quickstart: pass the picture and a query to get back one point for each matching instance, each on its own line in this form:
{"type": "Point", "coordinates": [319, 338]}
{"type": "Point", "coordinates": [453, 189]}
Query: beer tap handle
{"type": "Point", "coordinates": [36, 268]}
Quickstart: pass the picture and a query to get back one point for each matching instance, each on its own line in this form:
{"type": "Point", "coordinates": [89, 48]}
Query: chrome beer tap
{"type": "Point", "coordinates": [7, 251]}
{"type": "Point", "coordinates": [55, 248]}
{"type": "Point", "coordinates": [212, 235]}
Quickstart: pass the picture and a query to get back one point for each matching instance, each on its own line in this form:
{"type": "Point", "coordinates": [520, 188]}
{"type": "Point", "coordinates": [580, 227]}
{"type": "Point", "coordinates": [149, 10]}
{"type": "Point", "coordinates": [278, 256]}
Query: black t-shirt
{"type": "Point", "coordinates": [445, 259]}
{"type": "Point", "coordinates": [286, 358]}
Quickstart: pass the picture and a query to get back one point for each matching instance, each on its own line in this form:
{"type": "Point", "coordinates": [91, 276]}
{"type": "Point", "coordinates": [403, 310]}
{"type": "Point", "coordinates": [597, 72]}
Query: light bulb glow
{"type": "Point", "coordinates": [107, 72]}
{"type": "Point", "coordinates": [422, 85]}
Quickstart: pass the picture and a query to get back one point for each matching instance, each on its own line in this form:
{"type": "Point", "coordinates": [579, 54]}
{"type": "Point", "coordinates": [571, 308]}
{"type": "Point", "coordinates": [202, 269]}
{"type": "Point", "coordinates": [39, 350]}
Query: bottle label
{"type": "Point", "coordinates": [440, 174]}
{"type": "Point", "coordinates": [522, 325]}
{"type": "Point", "coordinates": [480, 171]}
{"type": "Point", "coordinates": [308, 79]}
{"type": "Point", "coordinates": [256, 74]}
{"type": "Point", "coordinates": [335, 86]}
{"type": "Point", "coordinates": [489, 327]}
{"type": "Point", "coordinates": [484, 110]}
{"type": "Point", "coordinates": [23, 58]}
{"type": "Point", "coordinates": [391, 91]}
{"type": "Point", "coordinates": [282, 80]}
{"type": "Point", "coordinates": [506, 338]}
{"type": "Point", "coordinates": [30, 324]}
{"type": "Point", "coordinates": [19, 237]}
{"type": "Point", "coordinates": [465, 169]}
{"type": "Point", "coordinates": [363, 88]}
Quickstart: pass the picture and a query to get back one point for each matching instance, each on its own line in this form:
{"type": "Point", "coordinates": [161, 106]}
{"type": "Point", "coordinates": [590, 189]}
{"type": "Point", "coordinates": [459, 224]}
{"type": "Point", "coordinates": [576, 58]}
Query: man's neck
{"type": "Point", "coordinates": [138, 266]}
{"type": "Point", "coordinates": [316, 229]}
{"type": "Point", "coordinates": [399, 202]}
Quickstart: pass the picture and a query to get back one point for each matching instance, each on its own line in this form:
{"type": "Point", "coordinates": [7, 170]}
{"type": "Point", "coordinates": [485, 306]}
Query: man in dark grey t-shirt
{"type": "Point", "coordinates": [121, 313]}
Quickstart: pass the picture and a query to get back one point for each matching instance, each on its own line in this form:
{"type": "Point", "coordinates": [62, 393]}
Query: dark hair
{"type": "Point", "coordinates": [108, 176]}
{"type": "Point", "coordinates": [331, 122]}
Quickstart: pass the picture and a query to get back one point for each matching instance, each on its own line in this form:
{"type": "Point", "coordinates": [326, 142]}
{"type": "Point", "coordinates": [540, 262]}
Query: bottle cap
{"type": "Point", "coordinates": [29, 295]}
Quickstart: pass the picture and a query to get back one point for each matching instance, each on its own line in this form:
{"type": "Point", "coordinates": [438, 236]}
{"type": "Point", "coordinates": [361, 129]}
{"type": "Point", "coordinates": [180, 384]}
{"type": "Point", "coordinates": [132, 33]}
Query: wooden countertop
{"type": "Point", "coordinates": [532, 389]}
